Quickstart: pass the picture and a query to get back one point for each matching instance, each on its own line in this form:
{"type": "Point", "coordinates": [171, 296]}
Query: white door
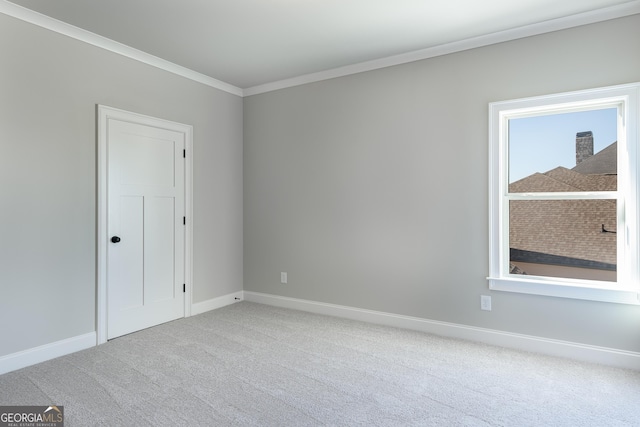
{"type": "Point", "coordinates": [145, 270]}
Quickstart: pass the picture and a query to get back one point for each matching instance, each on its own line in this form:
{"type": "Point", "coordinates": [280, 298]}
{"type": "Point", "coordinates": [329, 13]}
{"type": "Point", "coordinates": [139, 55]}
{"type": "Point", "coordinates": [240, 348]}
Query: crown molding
{"type": "Point", "coordinates": [32, 17]}
{"type": "Point", "coordinates": [27, 15]}
{"type": "Point", "coordinates": [558, 24]}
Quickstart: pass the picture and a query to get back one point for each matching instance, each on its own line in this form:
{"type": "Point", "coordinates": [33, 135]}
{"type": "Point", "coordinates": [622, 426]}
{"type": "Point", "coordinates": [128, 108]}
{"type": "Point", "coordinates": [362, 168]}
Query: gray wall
{"type": "Point", "coordinates": [371, 190]}
{"type": "Point", "coordinates": [49, 87]}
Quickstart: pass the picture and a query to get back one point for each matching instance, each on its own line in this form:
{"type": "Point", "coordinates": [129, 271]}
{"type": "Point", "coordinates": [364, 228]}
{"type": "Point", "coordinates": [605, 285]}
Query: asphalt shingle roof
{"type": "Point", "coordinates": [567, 228]}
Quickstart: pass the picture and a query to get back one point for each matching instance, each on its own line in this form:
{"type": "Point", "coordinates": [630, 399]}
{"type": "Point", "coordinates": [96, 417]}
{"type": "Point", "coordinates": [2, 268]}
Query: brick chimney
{"type": "Point", "coordinates": [584, 146]}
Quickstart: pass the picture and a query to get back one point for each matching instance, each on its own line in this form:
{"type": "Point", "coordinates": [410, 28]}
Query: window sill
{"type": "Point", "coordinates": [574, 290]}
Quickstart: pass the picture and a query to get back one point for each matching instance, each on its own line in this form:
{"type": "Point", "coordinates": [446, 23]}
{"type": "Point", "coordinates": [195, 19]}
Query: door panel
{"type": "Point", "coordinates": [159, 219]}
{"type": "Point", "coordinates": [160, 172]}
{"type": "Point", "coordinates": [145, 269]}
{"type": "Point", "coordinates": [130, 268]}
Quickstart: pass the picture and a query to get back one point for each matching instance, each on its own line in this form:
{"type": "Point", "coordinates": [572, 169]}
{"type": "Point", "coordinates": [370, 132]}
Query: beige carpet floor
{"type": "Point", "coordinates": [254, 365]}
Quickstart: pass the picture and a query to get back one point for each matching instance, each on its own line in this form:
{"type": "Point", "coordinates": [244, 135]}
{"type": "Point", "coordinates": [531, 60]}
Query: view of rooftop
{"type": "Point", "coordinates": [541, 143]}
{"type": "Point", "coordinates": [567, 238]}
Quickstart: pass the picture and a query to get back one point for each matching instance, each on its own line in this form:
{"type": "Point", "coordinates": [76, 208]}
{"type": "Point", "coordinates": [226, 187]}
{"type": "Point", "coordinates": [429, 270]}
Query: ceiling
{"type": "Point", "coordinates": [248, 43]}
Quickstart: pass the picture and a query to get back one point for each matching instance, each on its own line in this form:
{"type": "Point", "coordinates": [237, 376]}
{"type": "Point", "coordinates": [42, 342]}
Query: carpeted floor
{"type": "Point", "coordinates": [254, 365]}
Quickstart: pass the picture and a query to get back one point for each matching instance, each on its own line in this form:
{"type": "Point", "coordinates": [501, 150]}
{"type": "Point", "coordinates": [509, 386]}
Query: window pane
{"type": "Point", "coordinates": [563, 238]}
{"type": "Point", "coordinates": [565, 152]}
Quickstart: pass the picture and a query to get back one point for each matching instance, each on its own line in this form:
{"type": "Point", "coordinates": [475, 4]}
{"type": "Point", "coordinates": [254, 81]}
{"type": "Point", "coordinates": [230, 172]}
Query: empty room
{"type": "Point", "coordinates": [288, 213]}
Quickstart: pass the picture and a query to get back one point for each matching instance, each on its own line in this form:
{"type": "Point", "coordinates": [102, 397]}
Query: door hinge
{"type": "Point", "coordinates": [184, 287]}
{"type": "Point", "coordinates": [184, 154]}
{"type": "Point", "coordinates": [184, 220]}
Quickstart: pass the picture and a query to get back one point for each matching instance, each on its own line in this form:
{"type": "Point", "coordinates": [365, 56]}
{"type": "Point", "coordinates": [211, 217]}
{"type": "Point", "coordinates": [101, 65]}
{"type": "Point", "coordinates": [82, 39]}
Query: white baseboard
{"type": "Point", "coordinates": [22, 359]}
{"type": "Point", "coordinates": [583, 352]}
{"type": "Point", "coordinates": [568, 349]}
{"type": "Point", "coordinates": [212, 304]}
{"type": "Point", "coordinates": [31, 356]}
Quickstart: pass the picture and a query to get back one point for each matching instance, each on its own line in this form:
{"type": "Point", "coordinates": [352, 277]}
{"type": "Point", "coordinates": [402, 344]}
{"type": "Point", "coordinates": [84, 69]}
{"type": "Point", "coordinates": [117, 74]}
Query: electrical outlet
{"type": "Point", "coordinates": [485, 302]}
{"type": "Point", "coordinates": [283, 277]}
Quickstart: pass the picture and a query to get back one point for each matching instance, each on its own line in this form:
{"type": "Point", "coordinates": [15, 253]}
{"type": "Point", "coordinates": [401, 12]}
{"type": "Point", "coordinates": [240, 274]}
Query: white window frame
{"type": "Point", "coordinates": [626, 98]}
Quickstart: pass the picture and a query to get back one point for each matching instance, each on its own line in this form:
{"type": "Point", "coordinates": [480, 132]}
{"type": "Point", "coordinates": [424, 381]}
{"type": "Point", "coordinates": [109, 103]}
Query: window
{"type": "Point", "coordinates": [564, 195]}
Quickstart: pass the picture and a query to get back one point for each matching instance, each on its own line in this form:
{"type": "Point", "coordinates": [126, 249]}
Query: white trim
{"type": "Point", "coordinates": [559, 348]}
{"type": "Point", "coordinates": [585, 18]}
{"type": "Point", "coordinates": [626, 98]}
{"type": "Point", "coordinates": [22, 359]}
{"type": "Point", "coordinates": [28, 15]}
{"type": "Point", "coordinates": [188, 213]}
{"type": "Point", "coordinates": [72, 31]}
{"type": "Point", "coordinates": [215, 303]}
{"type": "Point", "coordinates": [103, 114]}
{"type": "Point", "coordinates": [555, 288]}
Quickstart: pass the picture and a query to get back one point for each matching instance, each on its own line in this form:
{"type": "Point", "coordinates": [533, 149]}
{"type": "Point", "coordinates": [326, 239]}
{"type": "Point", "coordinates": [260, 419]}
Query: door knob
{"type": "Point", "coordinates": [115, 239]}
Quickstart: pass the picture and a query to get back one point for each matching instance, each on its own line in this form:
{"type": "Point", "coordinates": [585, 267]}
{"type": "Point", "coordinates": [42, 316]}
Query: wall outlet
{"type": "Point", "coordinates": [485, 302]}
{"type": "Point", "coordinates": [283, 277]}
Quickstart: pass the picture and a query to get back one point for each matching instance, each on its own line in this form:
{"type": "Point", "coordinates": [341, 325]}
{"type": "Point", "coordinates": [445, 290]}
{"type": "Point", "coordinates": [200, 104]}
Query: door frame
{"type": "Point", "coordinates": [104, 114]}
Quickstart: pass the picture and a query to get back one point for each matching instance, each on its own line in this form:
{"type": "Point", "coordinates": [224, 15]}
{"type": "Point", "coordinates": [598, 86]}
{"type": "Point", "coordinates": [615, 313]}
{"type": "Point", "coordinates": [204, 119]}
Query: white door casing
{"type": "Point", "coordinates": [144, 192]}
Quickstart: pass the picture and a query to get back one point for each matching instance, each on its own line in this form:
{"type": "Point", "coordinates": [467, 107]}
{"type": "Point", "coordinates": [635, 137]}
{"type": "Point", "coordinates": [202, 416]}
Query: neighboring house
{"type": "Point", "coordinates": [567, 238]}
